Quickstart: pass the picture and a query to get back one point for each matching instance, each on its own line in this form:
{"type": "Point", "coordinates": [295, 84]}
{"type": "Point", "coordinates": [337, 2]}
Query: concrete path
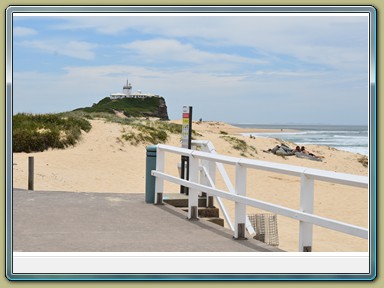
{"type": "Point", "coordinates": [113, 222]}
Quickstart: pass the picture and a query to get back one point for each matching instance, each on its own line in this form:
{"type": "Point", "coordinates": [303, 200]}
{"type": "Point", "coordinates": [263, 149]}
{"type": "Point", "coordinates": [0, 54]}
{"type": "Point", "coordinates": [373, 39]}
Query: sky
{"type": "Point", "coordinates": [248, 68]}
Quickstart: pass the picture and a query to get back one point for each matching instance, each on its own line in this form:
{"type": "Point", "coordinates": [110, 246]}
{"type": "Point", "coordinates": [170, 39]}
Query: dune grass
{"type": "Point", "coordinates": [36, 133]}
{"type": "Point", "coordinates": [152, 132]}
{"type": "Point", "coordinates": [39, 132]}
{"type": "Point", "coordinates": [363, 160]}
{"type": "Point", "coordinates": [240, 145]}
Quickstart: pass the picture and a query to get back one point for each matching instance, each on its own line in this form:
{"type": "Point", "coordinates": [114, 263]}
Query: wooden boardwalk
{"type": "Point", "coordinates": [46, 221]}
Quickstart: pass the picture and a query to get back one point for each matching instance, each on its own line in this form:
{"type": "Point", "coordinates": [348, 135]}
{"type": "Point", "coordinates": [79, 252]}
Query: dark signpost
{"type": "Point", "coordinates": [186, 135]}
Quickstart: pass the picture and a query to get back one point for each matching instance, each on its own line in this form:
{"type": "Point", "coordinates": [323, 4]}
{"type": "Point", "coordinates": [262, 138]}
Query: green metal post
{"type": "Point", "coordinates": [149, 179]}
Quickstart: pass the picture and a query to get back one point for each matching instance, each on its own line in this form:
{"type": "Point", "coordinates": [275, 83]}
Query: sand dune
{"type": "Point", "coordinates": [102, 162]}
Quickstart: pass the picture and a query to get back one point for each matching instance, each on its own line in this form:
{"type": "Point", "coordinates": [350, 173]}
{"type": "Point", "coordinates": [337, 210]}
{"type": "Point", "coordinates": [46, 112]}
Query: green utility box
{"type": "Point", "coordinates": [149, 179]}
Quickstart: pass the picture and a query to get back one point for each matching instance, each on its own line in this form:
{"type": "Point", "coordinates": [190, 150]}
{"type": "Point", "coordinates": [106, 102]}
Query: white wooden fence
{"type": "Point", "coordinates": [206, 162]}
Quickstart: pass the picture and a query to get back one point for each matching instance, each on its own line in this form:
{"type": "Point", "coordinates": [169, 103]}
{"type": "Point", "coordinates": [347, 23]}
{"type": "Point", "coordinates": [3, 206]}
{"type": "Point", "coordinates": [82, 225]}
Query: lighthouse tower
{"type": "Point", "coordinates": [127, 88]}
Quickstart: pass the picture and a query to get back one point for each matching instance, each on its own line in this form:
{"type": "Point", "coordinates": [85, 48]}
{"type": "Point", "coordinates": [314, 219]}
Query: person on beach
{"type": "Point", "coordinates": [302, 150]}
{"type": "Point", "coordinates": [284, 150]}
{"type": "Point", "coordinates": [297, 149]}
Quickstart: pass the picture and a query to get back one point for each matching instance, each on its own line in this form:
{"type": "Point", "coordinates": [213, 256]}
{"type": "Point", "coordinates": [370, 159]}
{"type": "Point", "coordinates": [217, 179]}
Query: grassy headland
{"type": "Point", "coordinates": [130, 107]}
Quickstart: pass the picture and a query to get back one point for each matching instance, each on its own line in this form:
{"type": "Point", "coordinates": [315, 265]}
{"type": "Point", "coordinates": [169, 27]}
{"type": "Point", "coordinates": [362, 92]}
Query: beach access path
{"type": "Point", "coordinates": [46, 221]}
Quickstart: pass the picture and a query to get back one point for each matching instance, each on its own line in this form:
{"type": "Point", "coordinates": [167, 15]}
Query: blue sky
{"type": "Point", "coordinates": [253, 68]}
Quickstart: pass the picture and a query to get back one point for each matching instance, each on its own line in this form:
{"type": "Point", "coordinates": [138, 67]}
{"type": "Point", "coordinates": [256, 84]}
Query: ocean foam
{"type": "Point", "coordinates": [355, 141]}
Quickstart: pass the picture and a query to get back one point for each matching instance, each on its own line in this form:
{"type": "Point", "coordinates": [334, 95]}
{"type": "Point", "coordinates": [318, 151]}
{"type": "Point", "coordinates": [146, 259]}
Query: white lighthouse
{"type": "Point", "coordinates": [127, 93]}
{"type": "Point", "coordinates": [127, 88]}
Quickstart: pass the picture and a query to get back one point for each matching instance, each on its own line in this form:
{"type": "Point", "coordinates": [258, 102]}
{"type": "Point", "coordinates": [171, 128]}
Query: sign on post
{"type": "Point", "coordinates": [186, 127]}
{"type": "Point", "coordinates": [186, 135]}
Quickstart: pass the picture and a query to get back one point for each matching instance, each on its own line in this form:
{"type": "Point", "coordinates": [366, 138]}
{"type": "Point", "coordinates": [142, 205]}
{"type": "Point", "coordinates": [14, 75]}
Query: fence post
{"type": "Point", "coordinates": [210, 168]}
{"type": "Point", "coordinates": [306, 205]}
{"type": "Point", "coordinates": [212, 173]}
{"type": "Point", "coordinates": [31, 172]}
{"type": "Point", "coordinates": [159, 182]}
{"type": "Point", "coordinates": [193, 197]}
{"type": "Point", "coordinates": [203, 178]}
{"type": "Point", "coordinates": [240, 209]}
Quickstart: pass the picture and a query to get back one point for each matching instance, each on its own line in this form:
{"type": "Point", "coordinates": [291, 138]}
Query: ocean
{"type": "Point", "coordinates": [348, 138]}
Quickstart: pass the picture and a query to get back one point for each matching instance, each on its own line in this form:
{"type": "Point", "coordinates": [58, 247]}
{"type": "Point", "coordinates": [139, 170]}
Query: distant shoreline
{"type": "Point", "coordinates": [299, 127]}
{"type": "Point", "coordinates": [263, 130]}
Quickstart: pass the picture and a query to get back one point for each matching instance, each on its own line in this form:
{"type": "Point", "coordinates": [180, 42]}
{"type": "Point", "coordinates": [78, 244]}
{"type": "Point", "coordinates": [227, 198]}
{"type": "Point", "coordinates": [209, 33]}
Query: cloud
{"type": "Point", "coordinates": [23, 31]}
{"type": "Point", "coordinates": [112, 25]}
{"type": "Point", "coordinates": [287, 73]}
{"type": "Point", "coordinates": [75, 49]}
{"type": "Point", "coordinates": [330, 42]}
{"type": "Point", "coordinates": [173, 51]}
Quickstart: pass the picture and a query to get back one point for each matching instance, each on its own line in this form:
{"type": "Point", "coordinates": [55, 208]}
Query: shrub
{"type": "Point", "coordinates": [147, 134]}
{"type": "Point", "coordinates": [363, 160]}
{"type": "Point", "coordinates": [36, 133]}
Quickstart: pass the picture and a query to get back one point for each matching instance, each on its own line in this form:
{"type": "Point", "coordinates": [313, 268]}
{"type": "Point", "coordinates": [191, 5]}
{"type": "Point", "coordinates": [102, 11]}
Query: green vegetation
{"type": "Point", "coordinates": [151, 132]}
{"type": "Point", "coordinates": [131, 107]}
{"type": "Point", "coordinates": [240, 145]}
{"type": "Point", "coordinates": [146, 135]}
{"type": "Point", "coordinates": [102, 115]}
{"type": "Point", "coordinates": [147, 132]}
{"type": "Point", "coordinates": [363, 160]}
{"type": "Point", "coordinates": [34, 133]}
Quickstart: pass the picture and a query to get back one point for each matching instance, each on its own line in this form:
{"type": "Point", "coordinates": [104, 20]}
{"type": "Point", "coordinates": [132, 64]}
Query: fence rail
{"type": "Point", "coordinates": [305, 215]}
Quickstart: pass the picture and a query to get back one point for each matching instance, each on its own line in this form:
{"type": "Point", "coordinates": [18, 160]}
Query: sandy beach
{"type": "Point", "coordinates": [103, 162]}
